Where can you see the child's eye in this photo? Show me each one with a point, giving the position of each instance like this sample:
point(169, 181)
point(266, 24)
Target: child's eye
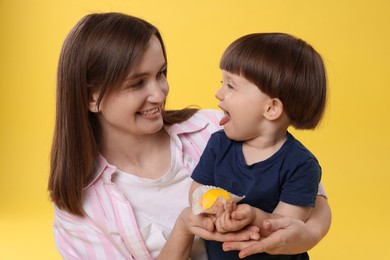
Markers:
point(228, 84)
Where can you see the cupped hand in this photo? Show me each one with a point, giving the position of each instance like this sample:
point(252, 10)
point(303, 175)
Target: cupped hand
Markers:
point(289, 236)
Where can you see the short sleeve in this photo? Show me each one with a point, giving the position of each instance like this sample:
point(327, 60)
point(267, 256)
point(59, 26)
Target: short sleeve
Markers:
point(301, 187)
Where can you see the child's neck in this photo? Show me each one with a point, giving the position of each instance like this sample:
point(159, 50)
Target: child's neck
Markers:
point(263, 147)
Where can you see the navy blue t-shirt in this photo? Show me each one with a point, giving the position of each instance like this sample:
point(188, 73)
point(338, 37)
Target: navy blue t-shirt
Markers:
point(290, 175)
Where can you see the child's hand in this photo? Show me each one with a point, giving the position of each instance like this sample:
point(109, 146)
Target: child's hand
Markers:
point(234, 217)
point(203, 226)
point(223, 221)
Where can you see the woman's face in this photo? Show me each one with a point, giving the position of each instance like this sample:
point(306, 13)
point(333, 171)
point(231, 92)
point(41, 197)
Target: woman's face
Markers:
point(244, 105)
point(136, 108)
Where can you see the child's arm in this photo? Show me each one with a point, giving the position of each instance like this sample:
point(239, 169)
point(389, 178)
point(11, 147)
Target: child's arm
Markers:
point(288, 210)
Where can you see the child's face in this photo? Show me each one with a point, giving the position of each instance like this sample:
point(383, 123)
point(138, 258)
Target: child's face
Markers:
point(244, 105)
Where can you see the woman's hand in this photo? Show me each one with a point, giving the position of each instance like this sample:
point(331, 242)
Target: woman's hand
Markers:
point(286, 239)
point(289, 235)
point(179, 242)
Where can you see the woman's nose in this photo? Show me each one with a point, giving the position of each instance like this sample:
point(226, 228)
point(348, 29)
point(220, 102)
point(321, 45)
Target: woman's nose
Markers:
point(158, 92)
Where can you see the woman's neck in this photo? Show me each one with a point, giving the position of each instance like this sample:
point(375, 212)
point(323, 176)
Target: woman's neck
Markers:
point(146, 156)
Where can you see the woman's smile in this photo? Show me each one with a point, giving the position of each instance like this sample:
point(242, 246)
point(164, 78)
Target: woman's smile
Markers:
point(151, 113)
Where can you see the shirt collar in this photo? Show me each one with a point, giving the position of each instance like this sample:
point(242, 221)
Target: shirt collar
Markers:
point(102, 168)
point(191, 125)
point(106, 170)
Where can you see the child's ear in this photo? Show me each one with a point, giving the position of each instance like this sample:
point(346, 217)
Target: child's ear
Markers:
point(93, 106)
point(274, 109)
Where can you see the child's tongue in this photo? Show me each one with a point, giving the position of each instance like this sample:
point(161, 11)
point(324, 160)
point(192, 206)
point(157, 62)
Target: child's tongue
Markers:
point(224, 120)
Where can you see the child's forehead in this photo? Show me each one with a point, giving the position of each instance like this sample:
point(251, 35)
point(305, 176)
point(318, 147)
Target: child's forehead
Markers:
point(238, 79)
point(229, 74)
point(233, 76)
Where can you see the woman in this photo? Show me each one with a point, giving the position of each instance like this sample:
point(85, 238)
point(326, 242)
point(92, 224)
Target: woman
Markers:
point(120, 163)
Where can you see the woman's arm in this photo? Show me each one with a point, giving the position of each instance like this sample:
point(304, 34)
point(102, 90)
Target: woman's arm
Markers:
point(179, 242)
point(81, 238)
point(290, 236)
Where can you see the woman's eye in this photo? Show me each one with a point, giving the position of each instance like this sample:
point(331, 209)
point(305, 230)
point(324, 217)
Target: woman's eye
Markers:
point(161, 74)
point(136, 85)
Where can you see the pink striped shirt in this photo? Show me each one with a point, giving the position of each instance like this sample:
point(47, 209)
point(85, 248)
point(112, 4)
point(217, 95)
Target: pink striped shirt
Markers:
point(109, 229)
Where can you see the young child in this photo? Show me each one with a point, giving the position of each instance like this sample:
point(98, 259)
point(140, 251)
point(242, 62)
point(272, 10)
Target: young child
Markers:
point(270, 81)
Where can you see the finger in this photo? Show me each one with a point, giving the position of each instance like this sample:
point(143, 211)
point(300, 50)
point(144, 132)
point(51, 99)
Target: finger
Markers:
point(253, 231)
point(234, 206)
point(253, 228)
point(205, 222)
point(242, 235)
point(254, 248)
point(230, 207)
point(241, 212)
point(220, 225)
point(267, 225)
point(209, 224)
point(220, 209)
point(246, 248)
point(275, 224)
point(268, 245)
point(236, 245)
point(225, 224)
point(212, 217)
point(238, 214)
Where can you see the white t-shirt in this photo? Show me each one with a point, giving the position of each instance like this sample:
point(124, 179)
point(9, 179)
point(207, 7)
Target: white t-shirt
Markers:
point(158, 203)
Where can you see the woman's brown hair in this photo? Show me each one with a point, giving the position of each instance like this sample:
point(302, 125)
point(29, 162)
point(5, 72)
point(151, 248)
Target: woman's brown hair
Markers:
point(284, 67)
point(97, 55)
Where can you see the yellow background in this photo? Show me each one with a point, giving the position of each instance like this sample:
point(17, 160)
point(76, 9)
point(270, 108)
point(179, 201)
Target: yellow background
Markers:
point(352, 143)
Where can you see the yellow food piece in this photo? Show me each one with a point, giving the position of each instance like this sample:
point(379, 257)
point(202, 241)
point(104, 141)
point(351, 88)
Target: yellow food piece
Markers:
point(210, 196)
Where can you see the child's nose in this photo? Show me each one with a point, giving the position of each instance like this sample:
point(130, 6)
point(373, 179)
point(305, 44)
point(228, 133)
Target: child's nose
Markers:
point(219, 94)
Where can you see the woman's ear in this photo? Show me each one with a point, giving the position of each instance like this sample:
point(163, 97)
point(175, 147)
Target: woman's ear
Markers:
point(93, 106)
point(274, 109)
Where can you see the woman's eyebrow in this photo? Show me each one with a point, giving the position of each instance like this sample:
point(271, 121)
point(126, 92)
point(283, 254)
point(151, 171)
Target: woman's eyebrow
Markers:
point(143, 74)
point(137, 75)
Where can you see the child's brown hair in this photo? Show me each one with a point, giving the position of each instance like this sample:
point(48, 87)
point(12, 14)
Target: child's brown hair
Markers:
point(284, 67)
